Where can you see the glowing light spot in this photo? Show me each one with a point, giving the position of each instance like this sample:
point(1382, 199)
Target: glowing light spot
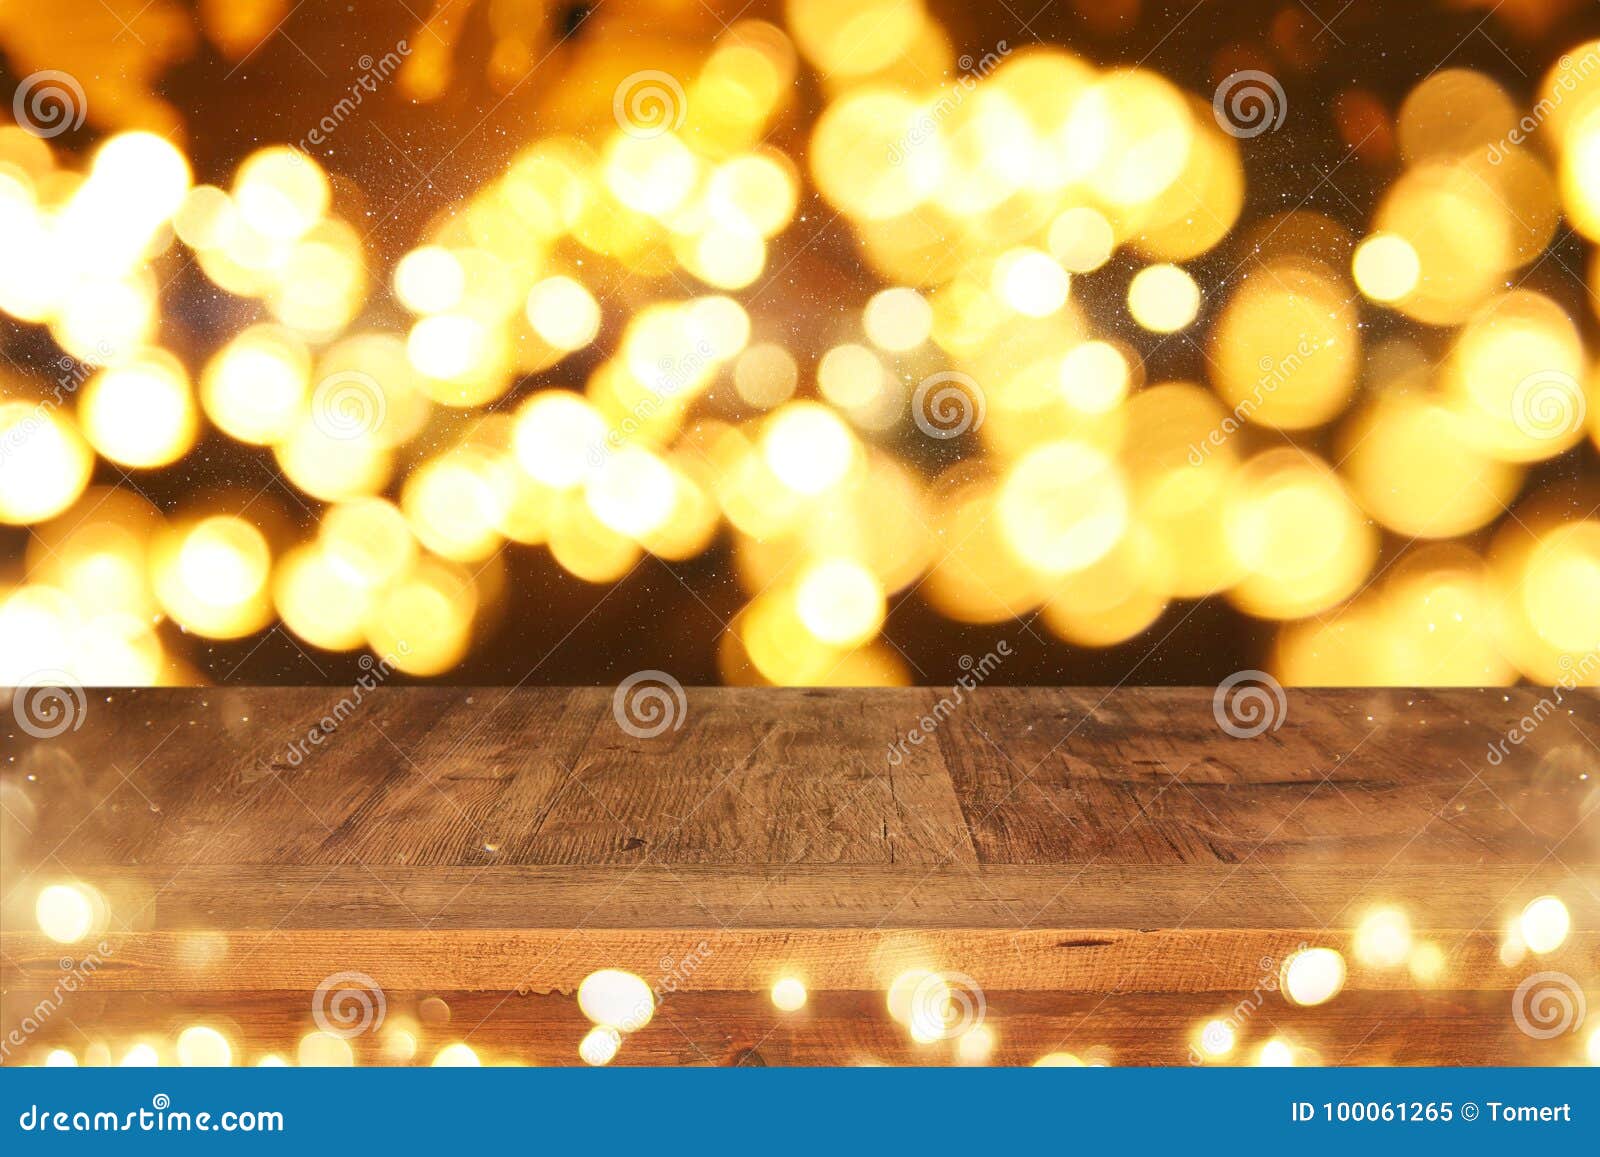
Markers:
point(599, 1045)
point(1163, 298)
point(1275, 1054)
point(1082, 240)
point(559, 439)
point(632, 492)
point(1031, 283)
point(563, 313)
point(281, 192)
point(446, 345)
point(850, 376)
point(1426, 963)
point(65, 913)
point(141, 413)
point(1313, 976)
point(44, 464)
point(1216, 1038)
point(976, 1045)
point(272, 1061)
point(1383, 938)
point(1385, 267)
point(898, 319)
point(618, 999)
point(60, 1059)
point(429, 279)
point(324, 1050)
point(840, 602)
point(1063, 506)
point(1058, 1061)
point(1094, 377)
point(765, 376)
point(202, 1047)
point(1544, 924)
point(141, 1056)
point(789, 994)
point(808, 447)
point(456, 1056)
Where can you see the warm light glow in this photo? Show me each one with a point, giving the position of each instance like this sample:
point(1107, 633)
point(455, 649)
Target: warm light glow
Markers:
point(616, 999)
point(1312, 976)
point(599, 1045)
point(789, 994)
point(456, 1056)
point(202, 1047)
point(1385, 267)
point(1163, 298)
point(1544, 924)
point(65, 913)
point(1383, 938)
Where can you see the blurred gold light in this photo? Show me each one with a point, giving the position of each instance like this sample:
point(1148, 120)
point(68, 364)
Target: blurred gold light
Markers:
point(1312, 976)
point(422, 621)
point(429, 279)
point(1303, 543)
point(324, 1050)
point(1544, 924)
point(212, 577)
point(1031, 283)
point(255, 387)
point(1385, 267)
point(1081, 239)
point(1062, 507)
point(558, 438)
point(807, 447)
point(1163, 298)
point(898, 319)
point(458, 1055)
point(65, 913)
point(840, 602)
point(789, 994)
point(140, 413)
point(280, 192)
point(44, 464)
point(616, 999)
point(200, 1046)
point(563, 313)
point(600, 1045)
point(1383, 938)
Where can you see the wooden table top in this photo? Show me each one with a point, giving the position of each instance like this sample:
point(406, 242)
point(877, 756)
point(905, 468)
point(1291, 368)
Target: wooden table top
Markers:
point(1074, 844)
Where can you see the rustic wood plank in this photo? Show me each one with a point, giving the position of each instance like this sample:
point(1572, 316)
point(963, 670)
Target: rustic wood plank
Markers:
point(1070, 846)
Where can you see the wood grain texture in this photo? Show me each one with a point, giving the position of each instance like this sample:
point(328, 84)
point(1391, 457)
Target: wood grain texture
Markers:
point(1068, 844)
